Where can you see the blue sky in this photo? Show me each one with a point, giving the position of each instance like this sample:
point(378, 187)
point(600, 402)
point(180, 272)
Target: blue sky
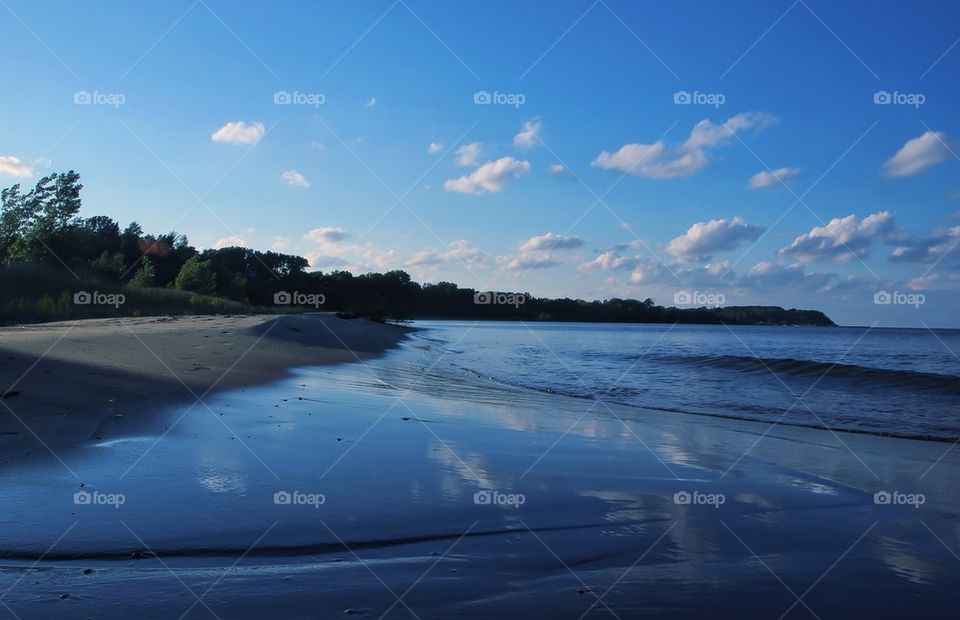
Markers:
point(783, 181)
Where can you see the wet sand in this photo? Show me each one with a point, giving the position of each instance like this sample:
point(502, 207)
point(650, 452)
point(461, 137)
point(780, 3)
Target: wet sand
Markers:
point(395, 451)
point(64, 381)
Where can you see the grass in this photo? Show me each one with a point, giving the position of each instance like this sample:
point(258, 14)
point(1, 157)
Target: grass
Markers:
point(33, 294)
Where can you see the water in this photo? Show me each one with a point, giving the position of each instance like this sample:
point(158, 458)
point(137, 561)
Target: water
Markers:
point(901, 382)
point(572, 418)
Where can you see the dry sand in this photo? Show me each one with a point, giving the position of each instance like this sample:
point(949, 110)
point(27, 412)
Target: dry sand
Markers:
point(60, 382)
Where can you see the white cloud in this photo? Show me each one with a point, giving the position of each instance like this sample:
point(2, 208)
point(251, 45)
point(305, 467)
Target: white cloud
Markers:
point(374, 257)
point(326, 234)
point(529, 135)
point(608, 261)
point(469, 154)
point(13, 167)
point(353, 258)
point(917, 155)
point(460, 251)
point(538, 252)
point(935, 281)
point(556, 170)
point(537, 260)
point(843, 238)
point(704, 238)
point(707, 134)
point(654, 271)
point(652, 160)
point(769, 178)
point(658, 161)
point(766, 276)
point(942, 247)
point(434, 148)
point(490, 177)
point(294, 178)
point(372, 101)
point(239, 132)
point(279, 243)
point(550, 241)
point(229, 242)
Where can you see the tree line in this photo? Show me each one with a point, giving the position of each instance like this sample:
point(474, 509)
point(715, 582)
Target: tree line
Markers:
point(46, 247)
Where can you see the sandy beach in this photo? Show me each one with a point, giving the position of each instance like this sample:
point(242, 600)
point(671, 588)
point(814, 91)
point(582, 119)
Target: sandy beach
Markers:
point(68, 382)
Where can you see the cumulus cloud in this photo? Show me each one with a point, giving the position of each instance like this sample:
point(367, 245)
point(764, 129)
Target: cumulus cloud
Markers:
point(229, 242)
point(704, 238)
point(469, 154)
point(490, 177)
point(707, 134)
point(279, 243)
point(917, 155)
point(538, 252)
point(550, 241)
point(460, 251)
point(326, 234)
point(372, 101)
point(843, 238)
point(529, 135)
point(354, 258)
point(294, 178)
point(434, 148)
point(655, 161)
point(940, 247)
point(763, 278)
point(935, 281)
point(650, 271)
point(768, 275)
point(239, 132)
point(13, 167)
point(524, 262)
point(660, 161)
point(608, 261)
point(769, 178)
point(556, 170)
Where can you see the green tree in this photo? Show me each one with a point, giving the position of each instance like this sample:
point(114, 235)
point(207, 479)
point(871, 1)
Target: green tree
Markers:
point(144, 275)
point(109, 263)
point(198, 276)
point(13, 220)
point(38, 225)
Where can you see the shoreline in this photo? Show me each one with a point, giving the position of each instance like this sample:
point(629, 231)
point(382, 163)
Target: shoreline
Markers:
point(71, 381)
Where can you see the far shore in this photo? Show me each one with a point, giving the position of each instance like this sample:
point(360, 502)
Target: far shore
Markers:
point(68, 382)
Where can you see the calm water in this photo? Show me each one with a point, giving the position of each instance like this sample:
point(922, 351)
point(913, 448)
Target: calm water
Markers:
point(400, 446)
point(903, 382)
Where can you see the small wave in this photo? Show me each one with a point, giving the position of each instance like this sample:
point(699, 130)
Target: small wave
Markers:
point(626, 397)
point(883, 377)
point(305, 549)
